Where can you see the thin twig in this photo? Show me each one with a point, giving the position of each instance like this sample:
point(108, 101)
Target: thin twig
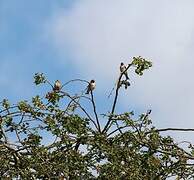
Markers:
point(122, 127)
point(50, 83)
point(81, 80)
point(66, 94)
point(111, 91)
point(96, 115)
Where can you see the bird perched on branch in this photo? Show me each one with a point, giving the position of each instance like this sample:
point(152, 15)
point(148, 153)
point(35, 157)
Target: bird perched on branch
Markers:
point(91, 86)
point(57, 86)
point(123, 69)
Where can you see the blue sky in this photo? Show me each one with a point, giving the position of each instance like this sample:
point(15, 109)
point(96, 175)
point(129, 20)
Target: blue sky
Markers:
point(87, 39)
point(23, 47)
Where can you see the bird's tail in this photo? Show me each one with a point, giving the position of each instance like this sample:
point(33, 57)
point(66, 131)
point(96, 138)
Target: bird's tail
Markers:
point(88, 90)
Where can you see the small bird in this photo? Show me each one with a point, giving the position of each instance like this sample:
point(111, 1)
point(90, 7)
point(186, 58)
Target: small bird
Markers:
point(123, 69)
point(57, 86)
point(91, 86)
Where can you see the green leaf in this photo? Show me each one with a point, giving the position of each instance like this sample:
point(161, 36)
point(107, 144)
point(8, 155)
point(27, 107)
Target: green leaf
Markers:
point(39, 78)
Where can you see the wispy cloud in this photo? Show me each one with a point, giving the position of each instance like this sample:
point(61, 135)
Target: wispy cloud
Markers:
point(23, 50)
point(99, 34)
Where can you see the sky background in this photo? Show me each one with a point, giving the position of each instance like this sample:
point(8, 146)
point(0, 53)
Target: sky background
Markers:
point(88, 39)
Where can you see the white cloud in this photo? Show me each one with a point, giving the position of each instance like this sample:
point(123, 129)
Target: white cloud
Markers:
point(100, 34)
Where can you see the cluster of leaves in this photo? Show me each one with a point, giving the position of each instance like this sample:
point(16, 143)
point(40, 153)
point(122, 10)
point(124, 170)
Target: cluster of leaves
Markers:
point(141, 64)
point(39, 78)
point(43, 140)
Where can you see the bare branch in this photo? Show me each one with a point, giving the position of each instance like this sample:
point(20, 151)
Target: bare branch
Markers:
point(172, 129)
point(96, 115)
point(74, 80)
point(115, 99)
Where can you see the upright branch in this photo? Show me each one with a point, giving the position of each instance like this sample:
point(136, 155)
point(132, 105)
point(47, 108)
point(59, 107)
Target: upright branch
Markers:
point(96, 115)
point(118, 85)
point(140, 64)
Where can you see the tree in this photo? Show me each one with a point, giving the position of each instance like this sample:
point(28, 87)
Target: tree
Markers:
point(79, 146)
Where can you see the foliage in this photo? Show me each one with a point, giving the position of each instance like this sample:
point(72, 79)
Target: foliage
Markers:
point(49, 138)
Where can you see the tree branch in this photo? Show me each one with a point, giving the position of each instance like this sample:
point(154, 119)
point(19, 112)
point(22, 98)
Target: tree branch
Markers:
point(74, 80)
point(66, 94)
point(172, 129)
point(115, 99)
point(96, 115)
